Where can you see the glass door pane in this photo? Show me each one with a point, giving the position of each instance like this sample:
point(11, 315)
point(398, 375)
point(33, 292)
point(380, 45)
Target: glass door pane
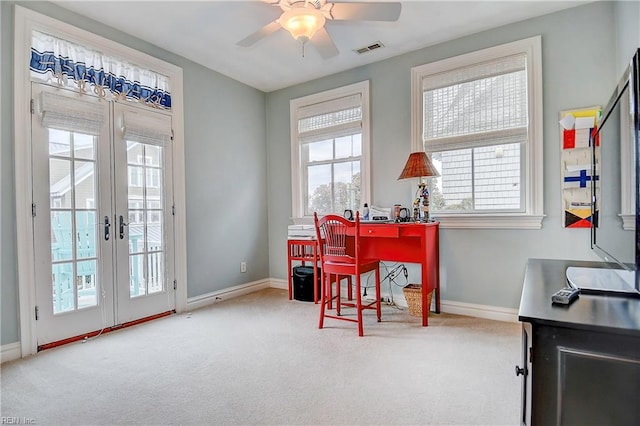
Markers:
point(143, 197)
point(73, 220)
point(72, 190)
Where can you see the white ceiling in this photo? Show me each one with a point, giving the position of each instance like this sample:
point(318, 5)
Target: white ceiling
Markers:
point(206, 32)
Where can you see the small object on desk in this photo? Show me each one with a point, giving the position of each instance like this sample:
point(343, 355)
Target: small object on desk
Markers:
point(404, 215)
point(565, 296)
point(365, 212)
point(396, 212)
point(301, 231)
point(379, 211)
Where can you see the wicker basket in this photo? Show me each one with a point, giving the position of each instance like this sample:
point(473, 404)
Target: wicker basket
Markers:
point(413, 294)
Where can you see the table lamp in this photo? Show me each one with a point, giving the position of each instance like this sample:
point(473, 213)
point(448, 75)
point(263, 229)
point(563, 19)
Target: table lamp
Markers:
point(419, 165)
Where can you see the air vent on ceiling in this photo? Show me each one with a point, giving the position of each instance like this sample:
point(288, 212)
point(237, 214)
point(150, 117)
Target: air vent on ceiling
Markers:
point(374, 46)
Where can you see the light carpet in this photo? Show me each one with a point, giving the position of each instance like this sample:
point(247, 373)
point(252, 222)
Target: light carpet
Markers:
point(260, 359)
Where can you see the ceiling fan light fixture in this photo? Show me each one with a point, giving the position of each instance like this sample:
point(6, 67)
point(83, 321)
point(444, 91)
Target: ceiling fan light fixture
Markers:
point(302, 23)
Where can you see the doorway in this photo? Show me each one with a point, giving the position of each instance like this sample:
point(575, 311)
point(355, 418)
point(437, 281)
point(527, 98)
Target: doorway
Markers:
point(103, 223)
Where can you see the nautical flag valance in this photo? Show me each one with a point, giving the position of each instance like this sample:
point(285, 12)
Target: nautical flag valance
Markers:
point(90, 70)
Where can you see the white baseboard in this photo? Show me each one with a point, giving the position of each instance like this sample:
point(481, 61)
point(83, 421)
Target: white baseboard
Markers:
point(479, 311)
point(227, 293)
point(496, 313)
point(10, 352)
point(280, 284)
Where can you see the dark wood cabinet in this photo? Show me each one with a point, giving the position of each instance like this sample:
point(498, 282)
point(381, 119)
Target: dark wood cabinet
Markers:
point(580, 363)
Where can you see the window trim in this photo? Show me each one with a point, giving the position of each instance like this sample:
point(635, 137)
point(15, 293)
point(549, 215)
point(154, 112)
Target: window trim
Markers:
point(297, 187)
point(533, 213)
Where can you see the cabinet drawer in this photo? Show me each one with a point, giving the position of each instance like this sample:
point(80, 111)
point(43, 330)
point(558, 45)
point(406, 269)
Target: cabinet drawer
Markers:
point(379, 231)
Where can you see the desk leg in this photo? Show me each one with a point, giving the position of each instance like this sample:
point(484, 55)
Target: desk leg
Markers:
point(289, 271)
point(438, 290)
point(437, 269)
point(425, 285)
point(315, 274)
point(425, 268)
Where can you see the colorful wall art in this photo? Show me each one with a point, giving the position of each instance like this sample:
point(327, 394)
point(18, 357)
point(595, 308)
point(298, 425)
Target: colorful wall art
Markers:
point(576, 130)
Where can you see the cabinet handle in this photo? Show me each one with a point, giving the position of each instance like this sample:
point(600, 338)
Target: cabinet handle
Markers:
point(520, 371)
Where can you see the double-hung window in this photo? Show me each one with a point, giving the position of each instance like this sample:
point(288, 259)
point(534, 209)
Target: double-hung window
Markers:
point(479, 118)
point(330, 151)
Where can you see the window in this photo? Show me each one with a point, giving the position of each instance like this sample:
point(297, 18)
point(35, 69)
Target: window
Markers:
point(479, 117)
point(330, 151)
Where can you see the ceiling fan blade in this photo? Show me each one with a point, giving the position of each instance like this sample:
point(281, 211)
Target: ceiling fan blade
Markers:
point(323, 42)
point(258, 35)
point(385, 11)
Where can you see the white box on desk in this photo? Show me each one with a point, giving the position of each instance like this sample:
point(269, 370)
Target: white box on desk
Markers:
point(301, 231)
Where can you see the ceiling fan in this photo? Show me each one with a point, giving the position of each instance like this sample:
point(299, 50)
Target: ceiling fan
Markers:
point(305, 20)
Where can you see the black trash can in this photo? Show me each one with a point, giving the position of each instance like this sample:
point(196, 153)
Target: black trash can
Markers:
point(303, 283)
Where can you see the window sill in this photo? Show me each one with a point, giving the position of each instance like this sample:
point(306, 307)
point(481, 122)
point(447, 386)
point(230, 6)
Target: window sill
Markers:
point(494, 221)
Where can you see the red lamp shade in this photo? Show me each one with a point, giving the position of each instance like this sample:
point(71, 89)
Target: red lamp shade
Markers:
point(418, 165)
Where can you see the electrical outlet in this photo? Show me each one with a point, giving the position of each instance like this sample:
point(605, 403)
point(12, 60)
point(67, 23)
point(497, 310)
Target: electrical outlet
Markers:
point(243, 266)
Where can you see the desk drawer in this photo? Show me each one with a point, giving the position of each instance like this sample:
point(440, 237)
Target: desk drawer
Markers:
point(379, 231)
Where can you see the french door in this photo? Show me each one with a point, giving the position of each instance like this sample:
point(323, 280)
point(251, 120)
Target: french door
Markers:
point(102, 216)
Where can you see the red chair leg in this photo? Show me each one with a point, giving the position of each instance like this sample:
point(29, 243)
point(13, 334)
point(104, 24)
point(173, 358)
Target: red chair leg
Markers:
point(329, 291)
point(359, 307)
point(323, 299)
point(338, 301)
point(349, 287)
point(378, 301)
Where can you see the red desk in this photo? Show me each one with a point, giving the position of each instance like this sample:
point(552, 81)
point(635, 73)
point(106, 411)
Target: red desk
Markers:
point(407, 242)
point(396, 242)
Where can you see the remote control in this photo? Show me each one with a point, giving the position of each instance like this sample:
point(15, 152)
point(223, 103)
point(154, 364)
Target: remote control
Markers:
point(565, 296)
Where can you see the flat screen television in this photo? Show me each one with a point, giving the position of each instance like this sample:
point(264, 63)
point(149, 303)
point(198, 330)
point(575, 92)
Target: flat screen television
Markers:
point(615, 236)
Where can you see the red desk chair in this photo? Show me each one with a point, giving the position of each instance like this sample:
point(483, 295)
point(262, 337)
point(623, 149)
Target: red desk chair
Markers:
point(340, 255)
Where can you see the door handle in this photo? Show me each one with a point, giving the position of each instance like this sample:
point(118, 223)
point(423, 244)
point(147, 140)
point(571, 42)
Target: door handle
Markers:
point(122, 224)
point(107, 227)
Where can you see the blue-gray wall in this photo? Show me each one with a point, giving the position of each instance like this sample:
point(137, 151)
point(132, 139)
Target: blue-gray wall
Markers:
point(627, 15)
point(483, 267)
point(238, 155)
point(226, 170)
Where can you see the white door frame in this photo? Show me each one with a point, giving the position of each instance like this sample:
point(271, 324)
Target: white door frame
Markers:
point(27, 20)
